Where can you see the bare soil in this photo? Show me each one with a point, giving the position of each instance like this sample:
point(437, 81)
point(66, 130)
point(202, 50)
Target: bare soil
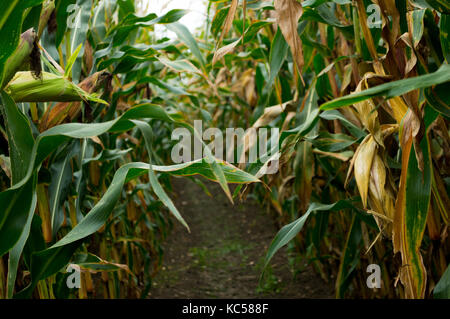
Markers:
point(223, 255)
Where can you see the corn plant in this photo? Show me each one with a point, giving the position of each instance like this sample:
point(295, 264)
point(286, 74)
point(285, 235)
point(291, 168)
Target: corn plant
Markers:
point(88, 104)
point(90, 95)
point(360, 92)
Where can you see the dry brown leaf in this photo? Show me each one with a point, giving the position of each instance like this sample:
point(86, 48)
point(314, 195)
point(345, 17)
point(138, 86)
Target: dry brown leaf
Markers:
point(381, 198)
point(68, 111)
point(98, 141)
point(270, 113)
point(226, 28)
point(347, 77)
point(338, 156)
point(398, 108)
point(221, 77)
point(411, 63)
point(220, 53)
point(229, 19)
point(389, 11)
point(367, 111)
point(284, 188)
point(288, 12)
point(5, 165)
point(287, 120)
point(52, 61)
point(400, 201)
point(245, 87)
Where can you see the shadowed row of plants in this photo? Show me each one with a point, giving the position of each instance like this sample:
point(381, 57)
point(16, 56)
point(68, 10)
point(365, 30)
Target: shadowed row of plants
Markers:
point(89, 100)
point(90, 95)
point(363, 110)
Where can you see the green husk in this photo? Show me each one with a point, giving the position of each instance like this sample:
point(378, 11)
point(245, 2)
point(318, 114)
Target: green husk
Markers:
point(21, 55)
point(24, 87)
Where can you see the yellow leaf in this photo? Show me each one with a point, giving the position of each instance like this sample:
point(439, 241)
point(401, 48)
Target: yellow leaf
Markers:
point(363, 165)
point(226, 28)
point(287, 14)
point(220, 53)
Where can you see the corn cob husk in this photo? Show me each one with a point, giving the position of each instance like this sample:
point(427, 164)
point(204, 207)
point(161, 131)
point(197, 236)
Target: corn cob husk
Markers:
point(68, 111)
point(21, 55)
point(50, 88)
point(47, 9)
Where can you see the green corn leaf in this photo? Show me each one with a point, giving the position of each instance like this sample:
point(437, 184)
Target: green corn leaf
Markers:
point(16, 208)
point(438, 97)
point(440, 5)
point(62, 14)
point(350, 257)
point(52, 259)
point(17, 205)
point(20, 138)
point(219, 20)
point(79, 24)
point(71, 61)
point(61, 174)
point(45, 263)
point(442, 288)
point(186, 37)
point(278, 53)
point(94, 263)
point(131, 22)
point(289, 231)
point(352, 128)
point(412, 210)
point(417, 25)
point(49, 140)
point(156, 186)
point(392, 89)
point(16, 252)
point(445, 36)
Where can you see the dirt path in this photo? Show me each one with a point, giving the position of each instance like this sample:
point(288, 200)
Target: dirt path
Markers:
point(223, 255)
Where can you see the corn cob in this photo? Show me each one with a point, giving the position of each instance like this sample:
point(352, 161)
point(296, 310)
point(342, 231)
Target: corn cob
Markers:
point(24, 87)
point(68, 111)
point(21, 55)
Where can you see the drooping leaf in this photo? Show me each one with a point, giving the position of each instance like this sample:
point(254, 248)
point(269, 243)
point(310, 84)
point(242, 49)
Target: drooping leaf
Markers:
point(289, 231)
point(16, 252)
point(20, 137)
point(410, 218)
point(226, 27)
point(444, 35)
point(288, 12)
point(278, 53)
point(349, 258)
point(442, 288)
point(186, 37)
point(392, 89)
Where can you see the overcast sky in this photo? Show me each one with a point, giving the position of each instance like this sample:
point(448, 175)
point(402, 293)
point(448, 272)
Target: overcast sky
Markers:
point(193, 20)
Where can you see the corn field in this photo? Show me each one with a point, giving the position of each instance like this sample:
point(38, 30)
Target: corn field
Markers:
point(91, 93)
